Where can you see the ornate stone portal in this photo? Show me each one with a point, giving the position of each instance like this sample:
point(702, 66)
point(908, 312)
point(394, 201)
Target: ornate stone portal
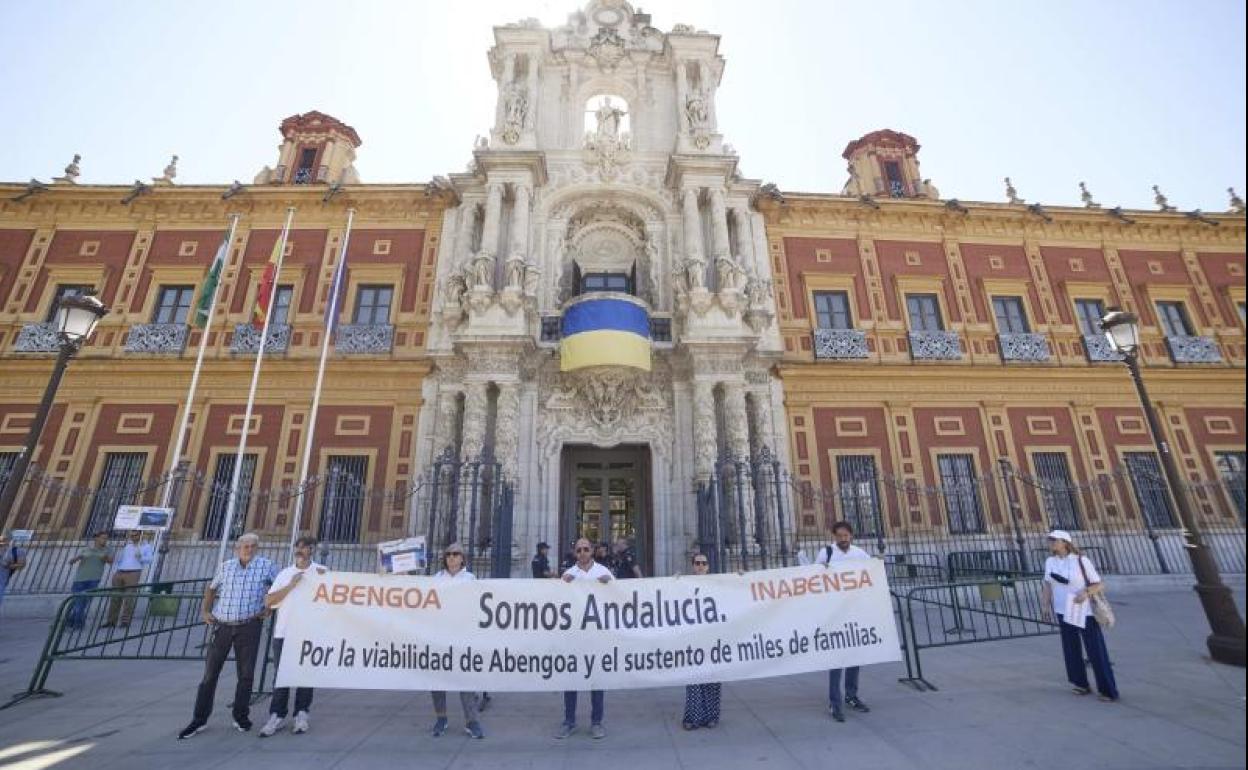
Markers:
point(604, 171)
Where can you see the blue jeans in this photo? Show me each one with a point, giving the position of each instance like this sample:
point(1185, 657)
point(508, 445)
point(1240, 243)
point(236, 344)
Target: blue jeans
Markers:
point(1093, 642)
point(597, 702)
point(834, 686)
point(78, 610)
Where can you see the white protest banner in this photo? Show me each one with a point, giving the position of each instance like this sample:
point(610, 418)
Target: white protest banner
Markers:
point(359, 631)
point(142, 517)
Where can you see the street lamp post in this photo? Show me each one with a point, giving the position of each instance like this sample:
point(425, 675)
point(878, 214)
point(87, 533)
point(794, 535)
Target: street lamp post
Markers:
point(1226, 642)
point(76, 318)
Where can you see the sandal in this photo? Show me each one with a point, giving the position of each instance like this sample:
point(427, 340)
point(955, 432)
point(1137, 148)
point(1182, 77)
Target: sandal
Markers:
point(689, 725)
point(1081, 690)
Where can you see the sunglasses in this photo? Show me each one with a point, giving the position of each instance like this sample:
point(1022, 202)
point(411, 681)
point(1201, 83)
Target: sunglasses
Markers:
point(701, 563)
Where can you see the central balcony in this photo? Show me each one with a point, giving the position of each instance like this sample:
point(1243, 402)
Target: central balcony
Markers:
point(247, 339)
point(364, 338)
point(1186, 349)
point(840, 344)
point(935, 346)
point(157, 338)
point(1024, 347)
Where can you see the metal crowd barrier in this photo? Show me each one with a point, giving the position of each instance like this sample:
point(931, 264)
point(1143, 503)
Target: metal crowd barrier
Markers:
point(165, 624)
point(967, 612)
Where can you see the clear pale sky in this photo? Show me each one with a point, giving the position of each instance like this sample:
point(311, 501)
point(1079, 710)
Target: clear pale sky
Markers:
point(1123, 94)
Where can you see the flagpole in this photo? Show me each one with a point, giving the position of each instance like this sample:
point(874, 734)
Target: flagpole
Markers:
point(251, 394)
point(180, 436)
point(331, 316)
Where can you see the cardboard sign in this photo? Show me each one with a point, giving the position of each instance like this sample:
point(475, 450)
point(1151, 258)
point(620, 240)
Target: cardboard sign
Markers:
point(142, 517)
point(402, 556)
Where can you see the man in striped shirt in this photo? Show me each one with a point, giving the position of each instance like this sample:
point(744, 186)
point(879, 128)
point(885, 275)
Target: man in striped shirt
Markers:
point(234, 609)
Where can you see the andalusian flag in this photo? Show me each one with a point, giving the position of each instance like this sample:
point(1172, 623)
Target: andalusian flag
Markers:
point(605, 331)
point(265, 295)
point(208, 293)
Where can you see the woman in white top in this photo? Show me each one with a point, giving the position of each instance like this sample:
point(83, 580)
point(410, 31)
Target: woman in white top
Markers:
point(1070, 580)
point(453, 570)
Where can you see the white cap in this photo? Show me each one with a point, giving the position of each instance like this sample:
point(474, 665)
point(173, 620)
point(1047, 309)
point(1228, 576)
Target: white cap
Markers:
point(1061, 534)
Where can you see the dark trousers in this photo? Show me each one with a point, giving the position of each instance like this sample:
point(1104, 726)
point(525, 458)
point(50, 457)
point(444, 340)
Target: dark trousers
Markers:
point(702, 704)
point(597, 704)
point(78, 611)
point(245, 640)
point(834, 686)
point(1090, 638)
point(281, 695)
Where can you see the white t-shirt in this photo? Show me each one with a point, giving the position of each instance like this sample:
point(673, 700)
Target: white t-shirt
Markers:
point(593, 573)
point(282, 580)
point(854, 552)
point(1068, 567)
point(459, 577)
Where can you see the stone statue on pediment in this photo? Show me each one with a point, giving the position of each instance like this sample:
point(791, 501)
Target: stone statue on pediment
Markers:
point(71, 172)
point(1237, 203)
point(1011, 194)
point(1163, 203)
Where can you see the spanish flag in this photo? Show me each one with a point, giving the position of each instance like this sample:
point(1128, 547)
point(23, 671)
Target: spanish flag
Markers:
point(605, 331)
point(265, 295)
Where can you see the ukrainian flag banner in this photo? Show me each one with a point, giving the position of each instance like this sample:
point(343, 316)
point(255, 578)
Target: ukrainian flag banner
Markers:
point(605, 331)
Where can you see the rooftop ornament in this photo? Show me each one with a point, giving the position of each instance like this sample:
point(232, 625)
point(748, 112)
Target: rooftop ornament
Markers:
point(1086, 197)
point(138, 189)
point(1116, 213)
point(1163, 203)
point(1011, 195)
point(235, 189)
point(71, 172)
point(1237, 203)
point(33, 187)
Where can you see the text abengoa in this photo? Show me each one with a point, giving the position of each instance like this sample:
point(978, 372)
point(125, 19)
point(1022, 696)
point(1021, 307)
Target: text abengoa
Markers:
point(360, 631)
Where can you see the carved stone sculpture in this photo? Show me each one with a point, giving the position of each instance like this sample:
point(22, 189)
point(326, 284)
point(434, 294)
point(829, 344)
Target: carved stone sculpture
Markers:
point(1237, 203)
point(1086, 197)
point(728, 274)
point(515, 273)
point(71, 172)
point(483, 271)
point(696, 111)
point(169, 173)
point(928, 190)
point(853, 187)
point(1011, 194)
point(1163, 204)
point(609, 117)
point(516, 107)
point(695, 273)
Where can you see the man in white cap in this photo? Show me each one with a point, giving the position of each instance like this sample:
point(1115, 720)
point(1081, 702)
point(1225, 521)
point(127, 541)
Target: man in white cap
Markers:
point(1070, 580)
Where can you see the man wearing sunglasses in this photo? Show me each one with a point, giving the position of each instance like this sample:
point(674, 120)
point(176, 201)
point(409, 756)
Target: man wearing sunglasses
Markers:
point(585, 568)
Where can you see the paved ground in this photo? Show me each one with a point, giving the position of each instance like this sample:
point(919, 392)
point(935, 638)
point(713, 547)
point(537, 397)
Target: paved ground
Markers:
point(1000, 705)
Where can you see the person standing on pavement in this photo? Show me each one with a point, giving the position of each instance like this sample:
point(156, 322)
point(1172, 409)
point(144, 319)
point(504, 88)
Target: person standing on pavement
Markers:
point(234, 609)
point(453, 570)
point(585, 568)
point(701, 700)
point(541, 562)
point(12, 560)
point(283, 584)
point(91, 562)
point(127, 570)
point(842, 549)
point(1070, 581)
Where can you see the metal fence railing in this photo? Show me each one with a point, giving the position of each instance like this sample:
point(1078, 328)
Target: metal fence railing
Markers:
point(164, 623)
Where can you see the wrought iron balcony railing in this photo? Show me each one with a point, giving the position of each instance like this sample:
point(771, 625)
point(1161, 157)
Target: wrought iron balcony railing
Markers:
point(37, 338)
point(247, 339)
point(935, 346)
point(157, 338)
point(1185, 349)
point(1099, 349)
point(364, 338)
point(834, 344)
point(1023, 347)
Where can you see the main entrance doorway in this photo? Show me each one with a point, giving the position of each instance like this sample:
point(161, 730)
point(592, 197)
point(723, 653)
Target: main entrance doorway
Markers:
point(606, 496)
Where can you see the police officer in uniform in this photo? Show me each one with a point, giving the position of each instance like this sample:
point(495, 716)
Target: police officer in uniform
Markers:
point(541, 562)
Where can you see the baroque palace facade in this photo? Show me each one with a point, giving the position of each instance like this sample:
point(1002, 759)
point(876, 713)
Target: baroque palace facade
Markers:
point(869, 341)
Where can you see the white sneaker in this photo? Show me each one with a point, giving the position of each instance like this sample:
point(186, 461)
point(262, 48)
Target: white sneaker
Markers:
point(301, 723)
point(272, 726)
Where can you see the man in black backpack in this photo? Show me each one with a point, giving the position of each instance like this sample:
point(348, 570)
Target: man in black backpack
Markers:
point(842, 549)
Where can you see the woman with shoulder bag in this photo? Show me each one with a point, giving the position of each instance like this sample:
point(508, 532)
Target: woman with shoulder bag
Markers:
point(1073, 591)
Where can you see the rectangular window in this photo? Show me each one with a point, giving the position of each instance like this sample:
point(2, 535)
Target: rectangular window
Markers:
point(960, 489)
point(219, 496)
point(832, 310)
point(119, 485)
point(1090, 313)
point(1057, 489)
point(1011, 317)
point(1173, 319)
point(172, 304)
point(64, 290)
point(342, 506)
point(281, 304)
point(924, 313)
point(892, 176)
point(372, 305)
point(307, 158)
point(1230, 468)
point(860, 499)
point(1150, 488)
point(606, 282)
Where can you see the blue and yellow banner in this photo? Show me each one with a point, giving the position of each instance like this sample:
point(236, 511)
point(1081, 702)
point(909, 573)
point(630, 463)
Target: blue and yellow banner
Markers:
point(605, 331)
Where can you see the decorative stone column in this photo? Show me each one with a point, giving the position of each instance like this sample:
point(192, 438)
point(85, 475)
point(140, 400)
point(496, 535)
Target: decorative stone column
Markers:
point(493, 214)
point(704, 438)
point(476, 405)
point(507, 428)
point(760, 421)
point(719, 224)
point(693, 225)
point(445, 421)
point(741, 227)
point(467, 223)
point(736, 421)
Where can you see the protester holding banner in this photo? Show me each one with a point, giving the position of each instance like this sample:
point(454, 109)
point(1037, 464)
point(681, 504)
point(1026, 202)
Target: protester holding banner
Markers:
point(585, 568)
point(842, 550)
point(453, 571)
point(234, 608)
point(127, 569)
point(91, 562)
point(701, 700)
point(1070, 580)
point(283, 584)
